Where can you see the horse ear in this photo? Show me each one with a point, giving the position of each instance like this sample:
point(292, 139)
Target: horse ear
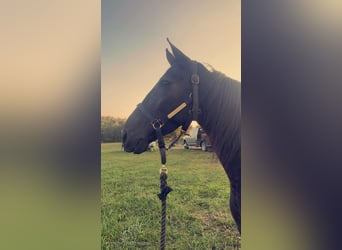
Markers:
point(178, 55)
point(170, 57)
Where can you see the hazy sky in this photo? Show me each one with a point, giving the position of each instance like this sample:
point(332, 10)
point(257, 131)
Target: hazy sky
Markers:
point(134, 36)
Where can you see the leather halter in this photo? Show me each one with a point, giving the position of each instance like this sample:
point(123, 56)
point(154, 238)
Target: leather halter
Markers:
point(158, 123)
point(195, 80)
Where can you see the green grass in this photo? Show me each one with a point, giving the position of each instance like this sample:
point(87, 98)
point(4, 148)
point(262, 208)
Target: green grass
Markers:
point(198, 215)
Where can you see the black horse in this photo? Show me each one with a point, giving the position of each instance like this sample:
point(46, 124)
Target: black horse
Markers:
point(189, 91)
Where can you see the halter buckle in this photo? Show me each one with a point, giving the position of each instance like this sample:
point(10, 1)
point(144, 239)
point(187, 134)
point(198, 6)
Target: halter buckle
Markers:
point(157, 124)
point(195, 78)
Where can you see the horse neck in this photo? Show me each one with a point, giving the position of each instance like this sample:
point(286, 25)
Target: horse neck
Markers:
point(220, 104)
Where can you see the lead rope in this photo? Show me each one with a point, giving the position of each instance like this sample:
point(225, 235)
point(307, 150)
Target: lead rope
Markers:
point(157, 124)
point(176, 140)
point(164, 188)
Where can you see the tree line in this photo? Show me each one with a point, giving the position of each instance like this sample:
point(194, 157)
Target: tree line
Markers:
point(111, 129)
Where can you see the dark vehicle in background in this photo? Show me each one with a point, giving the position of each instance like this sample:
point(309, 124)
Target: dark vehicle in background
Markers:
point(197, 138)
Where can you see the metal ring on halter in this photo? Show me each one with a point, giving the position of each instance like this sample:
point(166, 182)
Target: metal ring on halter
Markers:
point(157, 124)
point(195, 78)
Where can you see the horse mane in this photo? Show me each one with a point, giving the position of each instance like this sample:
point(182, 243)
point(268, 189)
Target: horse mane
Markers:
point(221, 112)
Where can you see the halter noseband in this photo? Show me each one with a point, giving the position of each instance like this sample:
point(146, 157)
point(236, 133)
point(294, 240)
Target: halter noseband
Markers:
point(158, 123)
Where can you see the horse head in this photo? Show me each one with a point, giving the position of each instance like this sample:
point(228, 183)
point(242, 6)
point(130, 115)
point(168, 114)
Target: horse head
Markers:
point(167, 105)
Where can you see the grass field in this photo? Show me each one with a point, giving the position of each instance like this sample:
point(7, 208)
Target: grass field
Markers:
point(198, 215)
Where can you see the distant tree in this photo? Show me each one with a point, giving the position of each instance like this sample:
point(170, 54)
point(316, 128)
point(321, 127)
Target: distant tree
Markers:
point(111, 129)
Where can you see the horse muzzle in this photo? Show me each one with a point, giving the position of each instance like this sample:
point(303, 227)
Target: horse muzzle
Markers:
point(134, 144)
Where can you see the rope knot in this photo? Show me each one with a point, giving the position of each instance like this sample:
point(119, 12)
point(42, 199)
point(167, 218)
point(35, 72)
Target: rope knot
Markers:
point(164, 192)
point(164, 188)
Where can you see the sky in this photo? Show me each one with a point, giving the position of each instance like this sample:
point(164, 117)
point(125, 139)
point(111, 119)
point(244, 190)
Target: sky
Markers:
point(133, 42)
